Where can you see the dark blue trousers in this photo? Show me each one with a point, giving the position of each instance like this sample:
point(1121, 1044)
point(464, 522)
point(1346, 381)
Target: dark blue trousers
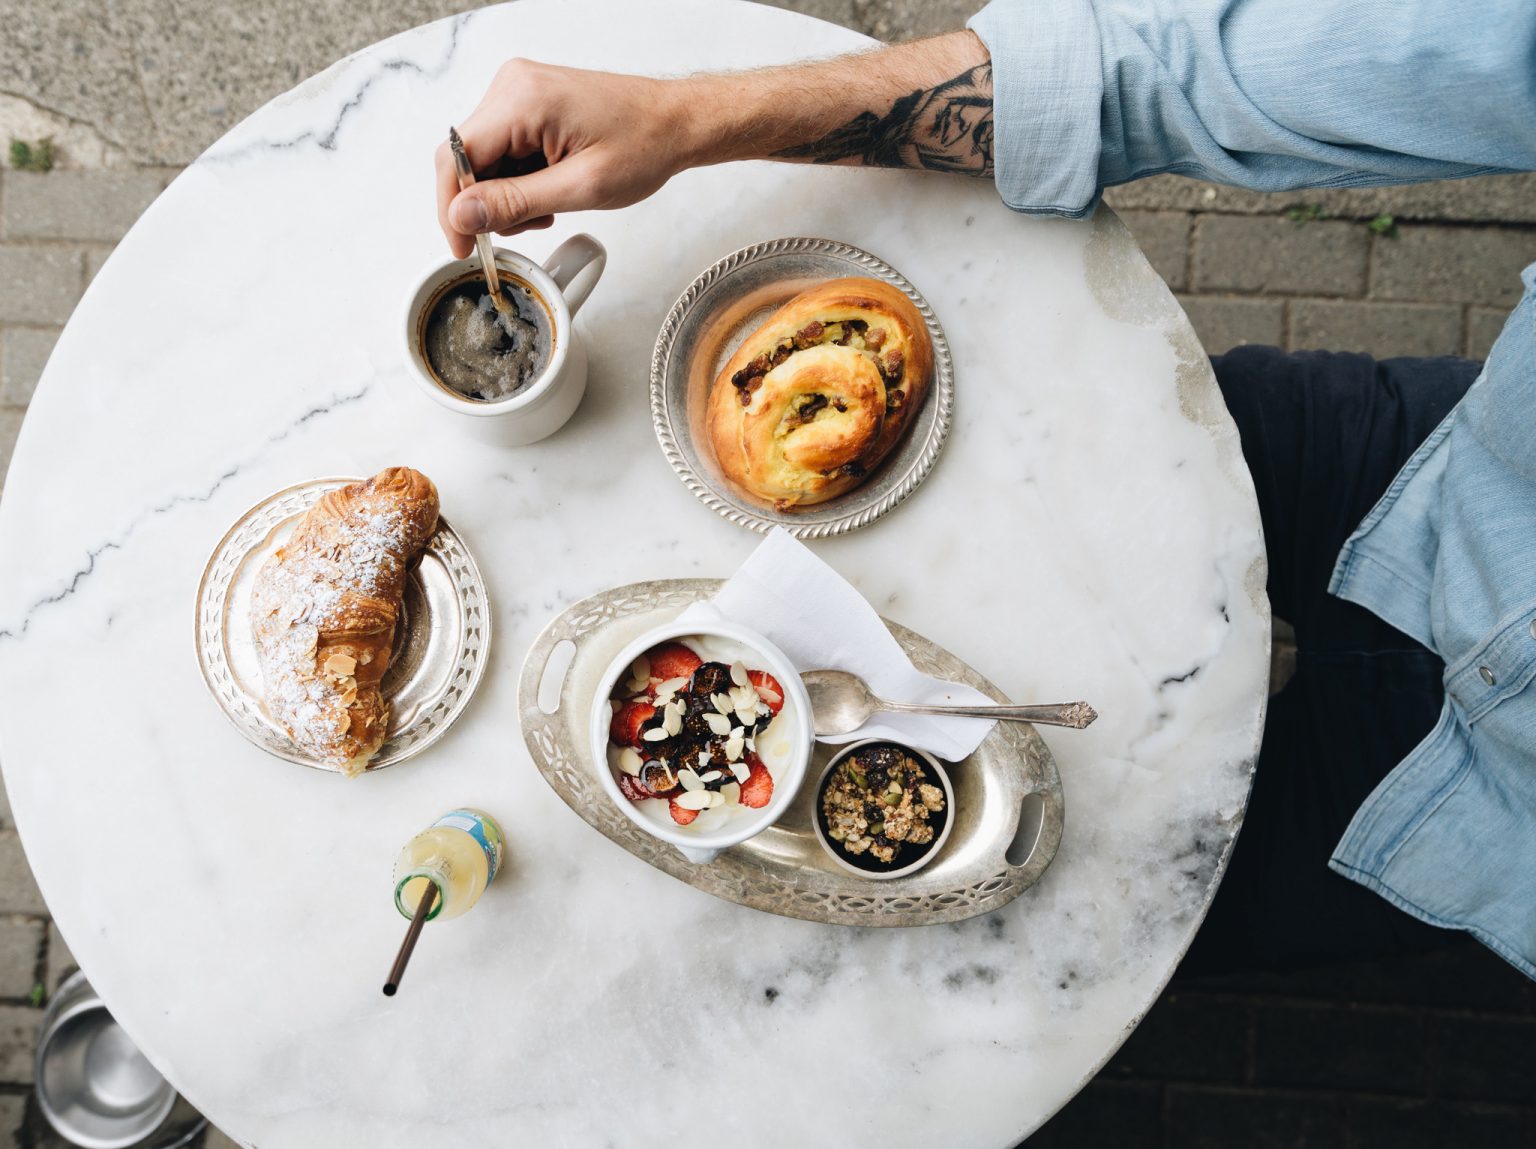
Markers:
point(1324, 434)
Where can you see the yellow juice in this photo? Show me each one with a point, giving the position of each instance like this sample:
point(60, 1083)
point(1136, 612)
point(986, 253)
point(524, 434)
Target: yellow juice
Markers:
point(458, 854)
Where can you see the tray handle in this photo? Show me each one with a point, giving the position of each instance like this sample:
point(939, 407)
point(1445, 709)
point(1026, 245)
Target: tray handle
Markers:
point(1036, 835)
point(1026, 836)
point(552, 675)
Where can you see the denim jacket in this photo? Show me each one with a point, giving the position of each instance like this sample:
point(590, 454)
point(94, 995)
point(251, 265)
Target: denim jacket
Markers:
point(1270, 95)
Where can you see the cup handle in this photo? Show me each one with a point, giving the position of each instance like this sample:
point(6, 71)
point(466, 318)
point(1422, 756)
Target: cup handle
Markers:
point(578, 254)
point(701, 857)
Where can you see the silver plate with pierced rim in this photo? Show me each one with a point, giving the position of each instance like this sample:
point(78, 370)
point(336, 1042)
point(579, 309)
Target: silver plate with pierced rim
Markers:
point(440, 647)
point(1008, 810)
point(703, 330)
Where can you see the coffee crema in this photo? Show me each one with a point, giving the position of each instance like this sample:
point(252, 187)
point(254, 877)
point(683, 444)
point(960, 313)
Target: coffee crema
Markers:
point(481, 353)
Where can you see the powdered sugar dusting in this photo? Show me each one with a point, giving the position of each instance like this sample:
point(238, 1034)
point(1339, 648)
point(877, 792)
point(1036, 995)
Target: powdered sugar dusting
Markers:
point(324, 609)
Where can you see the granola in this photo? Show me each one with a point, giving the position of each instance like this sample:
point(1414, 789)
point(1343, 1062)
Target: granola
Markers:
point(881, 804)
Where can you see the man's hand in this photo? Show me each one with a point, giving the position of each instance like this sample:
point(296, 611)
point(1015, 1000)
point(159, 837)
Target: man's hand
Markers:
point(598, 140)
point(609, 141)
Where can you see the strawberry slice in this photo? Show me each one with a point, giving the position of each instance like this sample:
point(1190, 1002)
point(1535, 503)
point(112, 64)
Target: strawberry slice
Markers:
point(757, 790)
point(632, 789)
point(681, 816)
point(672, 660)
point(768, 689)
point(627, 721)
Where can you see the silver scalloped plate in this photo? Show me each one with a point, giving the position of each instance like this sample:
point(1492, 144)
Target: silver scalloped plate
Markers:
point(440, 644)
point(702, 331)
point(1008, 809)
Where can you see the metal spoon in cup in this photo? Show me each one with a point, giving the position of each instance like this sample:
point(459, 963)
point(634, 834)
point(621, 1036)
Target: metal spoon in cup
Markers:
point(842, 702)
point(466, 177)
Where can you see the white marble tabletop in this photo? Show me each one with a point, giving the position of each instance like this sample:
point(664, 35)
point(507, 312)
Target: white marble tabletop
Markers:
point(1089, 532)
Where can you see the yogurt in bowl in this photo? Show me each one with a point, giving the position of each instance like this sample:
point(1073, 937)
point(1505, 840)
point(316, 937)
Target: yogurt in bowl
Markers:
point(701, 734)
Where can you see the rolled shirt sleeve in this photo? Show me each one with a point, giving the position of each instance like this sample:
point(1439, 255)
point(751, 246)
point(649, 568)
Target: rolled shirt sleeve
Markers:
point(1262, 94)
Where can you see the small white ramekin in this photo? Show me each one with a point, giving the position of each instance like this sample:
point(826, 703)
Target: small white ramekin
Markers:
point(933, 848)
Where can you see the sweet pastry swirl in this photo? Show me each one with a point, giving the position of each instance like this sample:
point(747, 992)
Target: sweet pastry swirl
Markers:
point(821, 392)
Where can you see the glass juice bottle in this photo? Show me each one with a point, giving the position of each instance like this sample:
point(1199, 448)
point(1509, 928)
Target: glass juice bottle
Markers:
point(459, 854)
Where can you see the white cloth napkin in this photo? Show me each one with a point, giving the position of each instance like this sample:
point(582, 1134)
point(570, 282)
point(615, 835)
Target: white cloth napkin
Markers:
point(811, 613)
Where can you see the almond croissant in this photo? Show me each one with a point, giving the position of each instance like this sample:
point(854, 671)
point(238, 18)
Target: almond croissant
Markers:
point(324, 610)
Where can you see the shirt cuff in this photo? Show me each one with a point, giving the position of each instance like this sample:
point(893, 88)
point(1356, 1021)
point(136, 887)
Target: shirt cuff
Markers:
point(1048, 88)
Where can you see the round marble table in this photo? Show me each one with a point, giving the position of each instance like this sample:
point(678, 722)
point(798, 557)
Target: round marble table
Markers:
point(1089, 532)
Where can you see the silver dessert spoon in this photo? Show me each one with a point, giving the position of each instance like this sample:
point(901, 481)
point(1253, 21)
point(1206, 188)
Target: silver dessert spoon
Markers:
point(841, 702)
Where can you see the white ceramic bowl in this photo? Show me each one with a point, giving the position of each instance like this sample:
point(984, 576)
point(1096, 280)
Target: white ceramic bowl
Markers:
point(788, 772)
point(933, 848)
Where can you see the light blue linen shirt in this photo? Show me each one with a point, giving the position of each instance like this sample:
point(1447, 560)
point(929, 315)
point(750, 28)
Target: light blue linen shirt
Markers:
point(1276, 94)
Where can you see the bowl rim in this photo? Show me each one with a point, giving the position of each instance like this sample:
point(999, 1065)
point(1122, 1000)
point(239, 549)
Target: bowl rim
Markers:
point(934, 847)
point(786, 784)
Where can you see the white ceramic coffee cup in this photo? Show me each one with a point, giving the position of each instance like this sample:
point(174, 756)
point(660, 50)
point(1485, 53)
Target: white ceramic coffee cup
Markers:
point(541, 408)
point(700, 847)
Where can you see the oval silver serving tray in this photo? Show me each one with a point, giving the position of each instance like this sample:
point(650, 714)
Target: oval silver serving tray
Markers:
point(440, 643)
point(702, 331)
point(1008, 808)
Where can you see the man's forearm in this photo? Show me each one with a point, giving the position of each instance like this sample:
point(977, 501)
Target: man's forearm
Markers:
point(926, 104)
point(611, 140)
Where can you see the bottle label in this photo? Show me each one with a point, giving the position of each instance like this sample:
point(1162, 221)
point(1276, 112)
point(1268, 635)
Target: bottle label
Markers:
point(483, 830)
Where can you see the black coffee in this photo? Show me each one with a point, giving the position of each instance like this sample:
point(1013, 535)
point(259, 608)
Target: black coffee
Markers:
point(483, 353)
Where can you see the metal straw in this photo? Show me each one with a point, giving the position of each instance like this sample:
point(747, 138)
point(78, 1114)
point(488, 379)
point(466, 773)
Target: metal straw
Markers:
point(397, 971)
point(466, 176)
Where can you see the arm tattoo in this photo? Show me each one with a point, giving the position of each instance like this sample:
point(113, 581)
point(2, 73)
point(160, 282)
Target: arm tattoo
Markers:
point(944, 129)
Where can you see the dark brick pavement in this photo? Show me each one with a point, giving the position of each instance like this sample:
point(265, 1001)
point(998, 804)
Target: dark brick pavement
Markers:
point(1436, 1051)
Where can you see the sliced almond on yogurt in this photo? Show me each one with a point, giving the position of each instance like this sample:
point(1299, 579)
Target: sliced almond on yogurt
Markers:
point(655, 735)
point(731, 792)
point(690, 780)
point(735, 744)
point(630, 760)
point(739, 674)
point(671, 686)
point(695, 799)
point(710, 776)
point(722, 703)
point(712, 819)
point(718, 724)
point(641, 669)
point(742, 772)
